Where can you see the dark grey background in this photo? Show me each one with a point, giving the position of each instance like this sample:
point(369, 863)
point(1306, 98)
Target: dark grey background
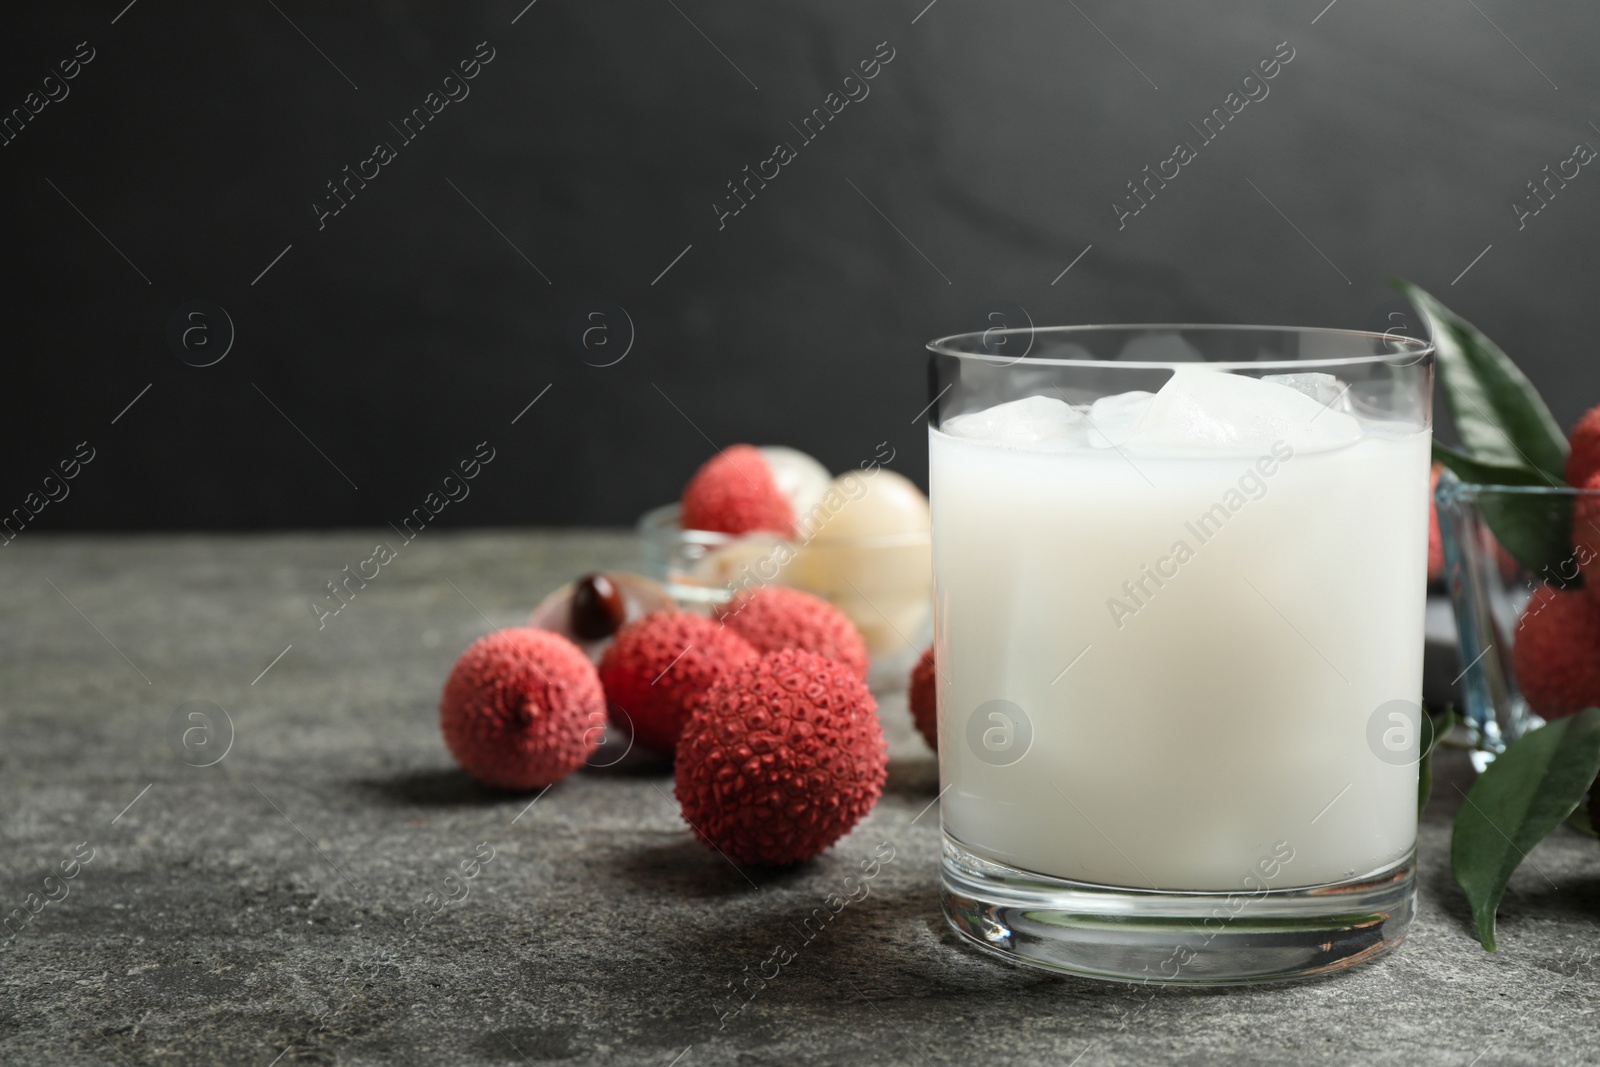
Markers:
point(596, 142)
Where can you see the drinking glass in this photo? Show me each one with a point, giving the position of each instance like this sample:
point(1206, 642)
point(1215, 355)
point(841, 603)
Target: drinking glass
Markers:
point(1180, 579)
point(1492, 593)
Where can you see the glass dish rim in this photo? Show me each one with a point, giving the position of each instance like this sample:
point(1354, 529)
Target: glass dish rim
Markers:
point(662, 519)
point(1423, 349)
point(1457, 485)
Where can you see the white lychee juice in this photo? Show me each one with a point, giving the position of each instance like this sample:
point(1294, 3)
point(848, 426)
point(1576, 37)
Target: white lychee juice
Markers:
point(1165, 624)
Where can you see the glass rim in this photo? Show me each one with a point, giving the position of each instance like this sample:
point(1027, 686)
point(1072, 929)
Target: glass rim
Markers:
point(1415, 350)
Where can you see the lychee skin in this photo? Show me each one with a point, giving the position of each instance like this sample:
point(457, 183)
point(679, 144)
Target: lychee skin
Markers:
point(1583, 461)
point(1435, 537)
point(776, 616)
point(522, 709)
point(656, 667)
point(1586, 536)
point(1506, 563)
point(923, 696)
point(1556, 653)
point(781, 759)
point(735, 492)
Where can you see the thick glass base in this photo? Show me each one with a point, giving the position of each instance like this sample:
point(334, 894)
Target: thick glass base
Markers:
point(1178, 937)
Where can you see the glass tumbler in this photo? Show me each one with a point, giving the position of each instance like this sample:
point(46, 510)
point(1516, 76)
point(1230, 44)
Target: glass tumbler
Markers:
point(1493, 594)
point(1180, 577)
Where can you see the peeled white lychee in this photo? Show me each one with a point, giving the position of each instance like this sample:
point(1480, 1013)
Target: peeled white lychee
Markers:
point(800, 478)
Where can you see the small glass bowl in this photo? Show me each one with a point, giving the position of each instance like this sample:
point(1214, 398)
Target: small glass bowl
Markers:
point(884, 584)
point(1489, 590)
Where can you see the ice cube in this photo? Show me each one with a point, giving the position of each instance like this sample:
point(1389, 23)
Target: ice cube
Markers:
point(1112, 418)
point(1325, 389)
point(1203, 408)
point(1035, 421)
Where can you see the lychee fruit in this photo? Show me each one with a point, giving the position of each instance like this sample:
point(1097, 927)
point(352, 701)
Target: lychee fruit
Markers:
point(800, 478)
point(735, 492)
point(923, 696)
point(522, 709)
point(656, 667)
point(1556, 652)
point(1583, 461)
point(781, 759)
point(1435, 538)
point(776, 616)
point(1586, 536)
point(1506, 563)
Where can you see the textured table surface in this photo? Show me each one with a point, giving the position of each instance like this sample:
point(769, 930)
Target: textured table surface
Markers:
point(255, 911)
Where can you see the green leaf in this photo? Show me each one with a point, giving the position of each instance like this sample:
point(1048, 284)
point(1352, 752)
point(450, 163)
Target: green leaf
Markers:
point(1478, 472)
point(1536, 528)
point(1525, 793)
point(1432, 732)
point(1579, 821)
point(1497, 411)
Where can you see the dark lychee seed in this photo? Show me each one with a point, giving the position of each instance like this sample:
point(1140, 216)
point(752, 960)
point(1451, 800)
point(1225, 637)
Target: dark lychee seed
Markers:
point(598, 609)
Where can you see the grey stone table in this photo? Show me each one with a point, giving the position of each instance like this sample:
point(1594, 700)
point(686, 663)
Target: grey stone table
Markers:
point(275, 906)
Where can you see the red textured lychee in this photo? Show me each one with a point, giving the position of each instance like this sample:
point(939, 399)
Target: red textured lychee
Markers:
point(1556, 652)
point(774, 617)
point(735, 492)
point(1506, 563)
point(923, 696)
point(1586, 536)
point(522, 709)
point(1583, 462)
point(781, 759)
point(658, 666)
point(1435, 538)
